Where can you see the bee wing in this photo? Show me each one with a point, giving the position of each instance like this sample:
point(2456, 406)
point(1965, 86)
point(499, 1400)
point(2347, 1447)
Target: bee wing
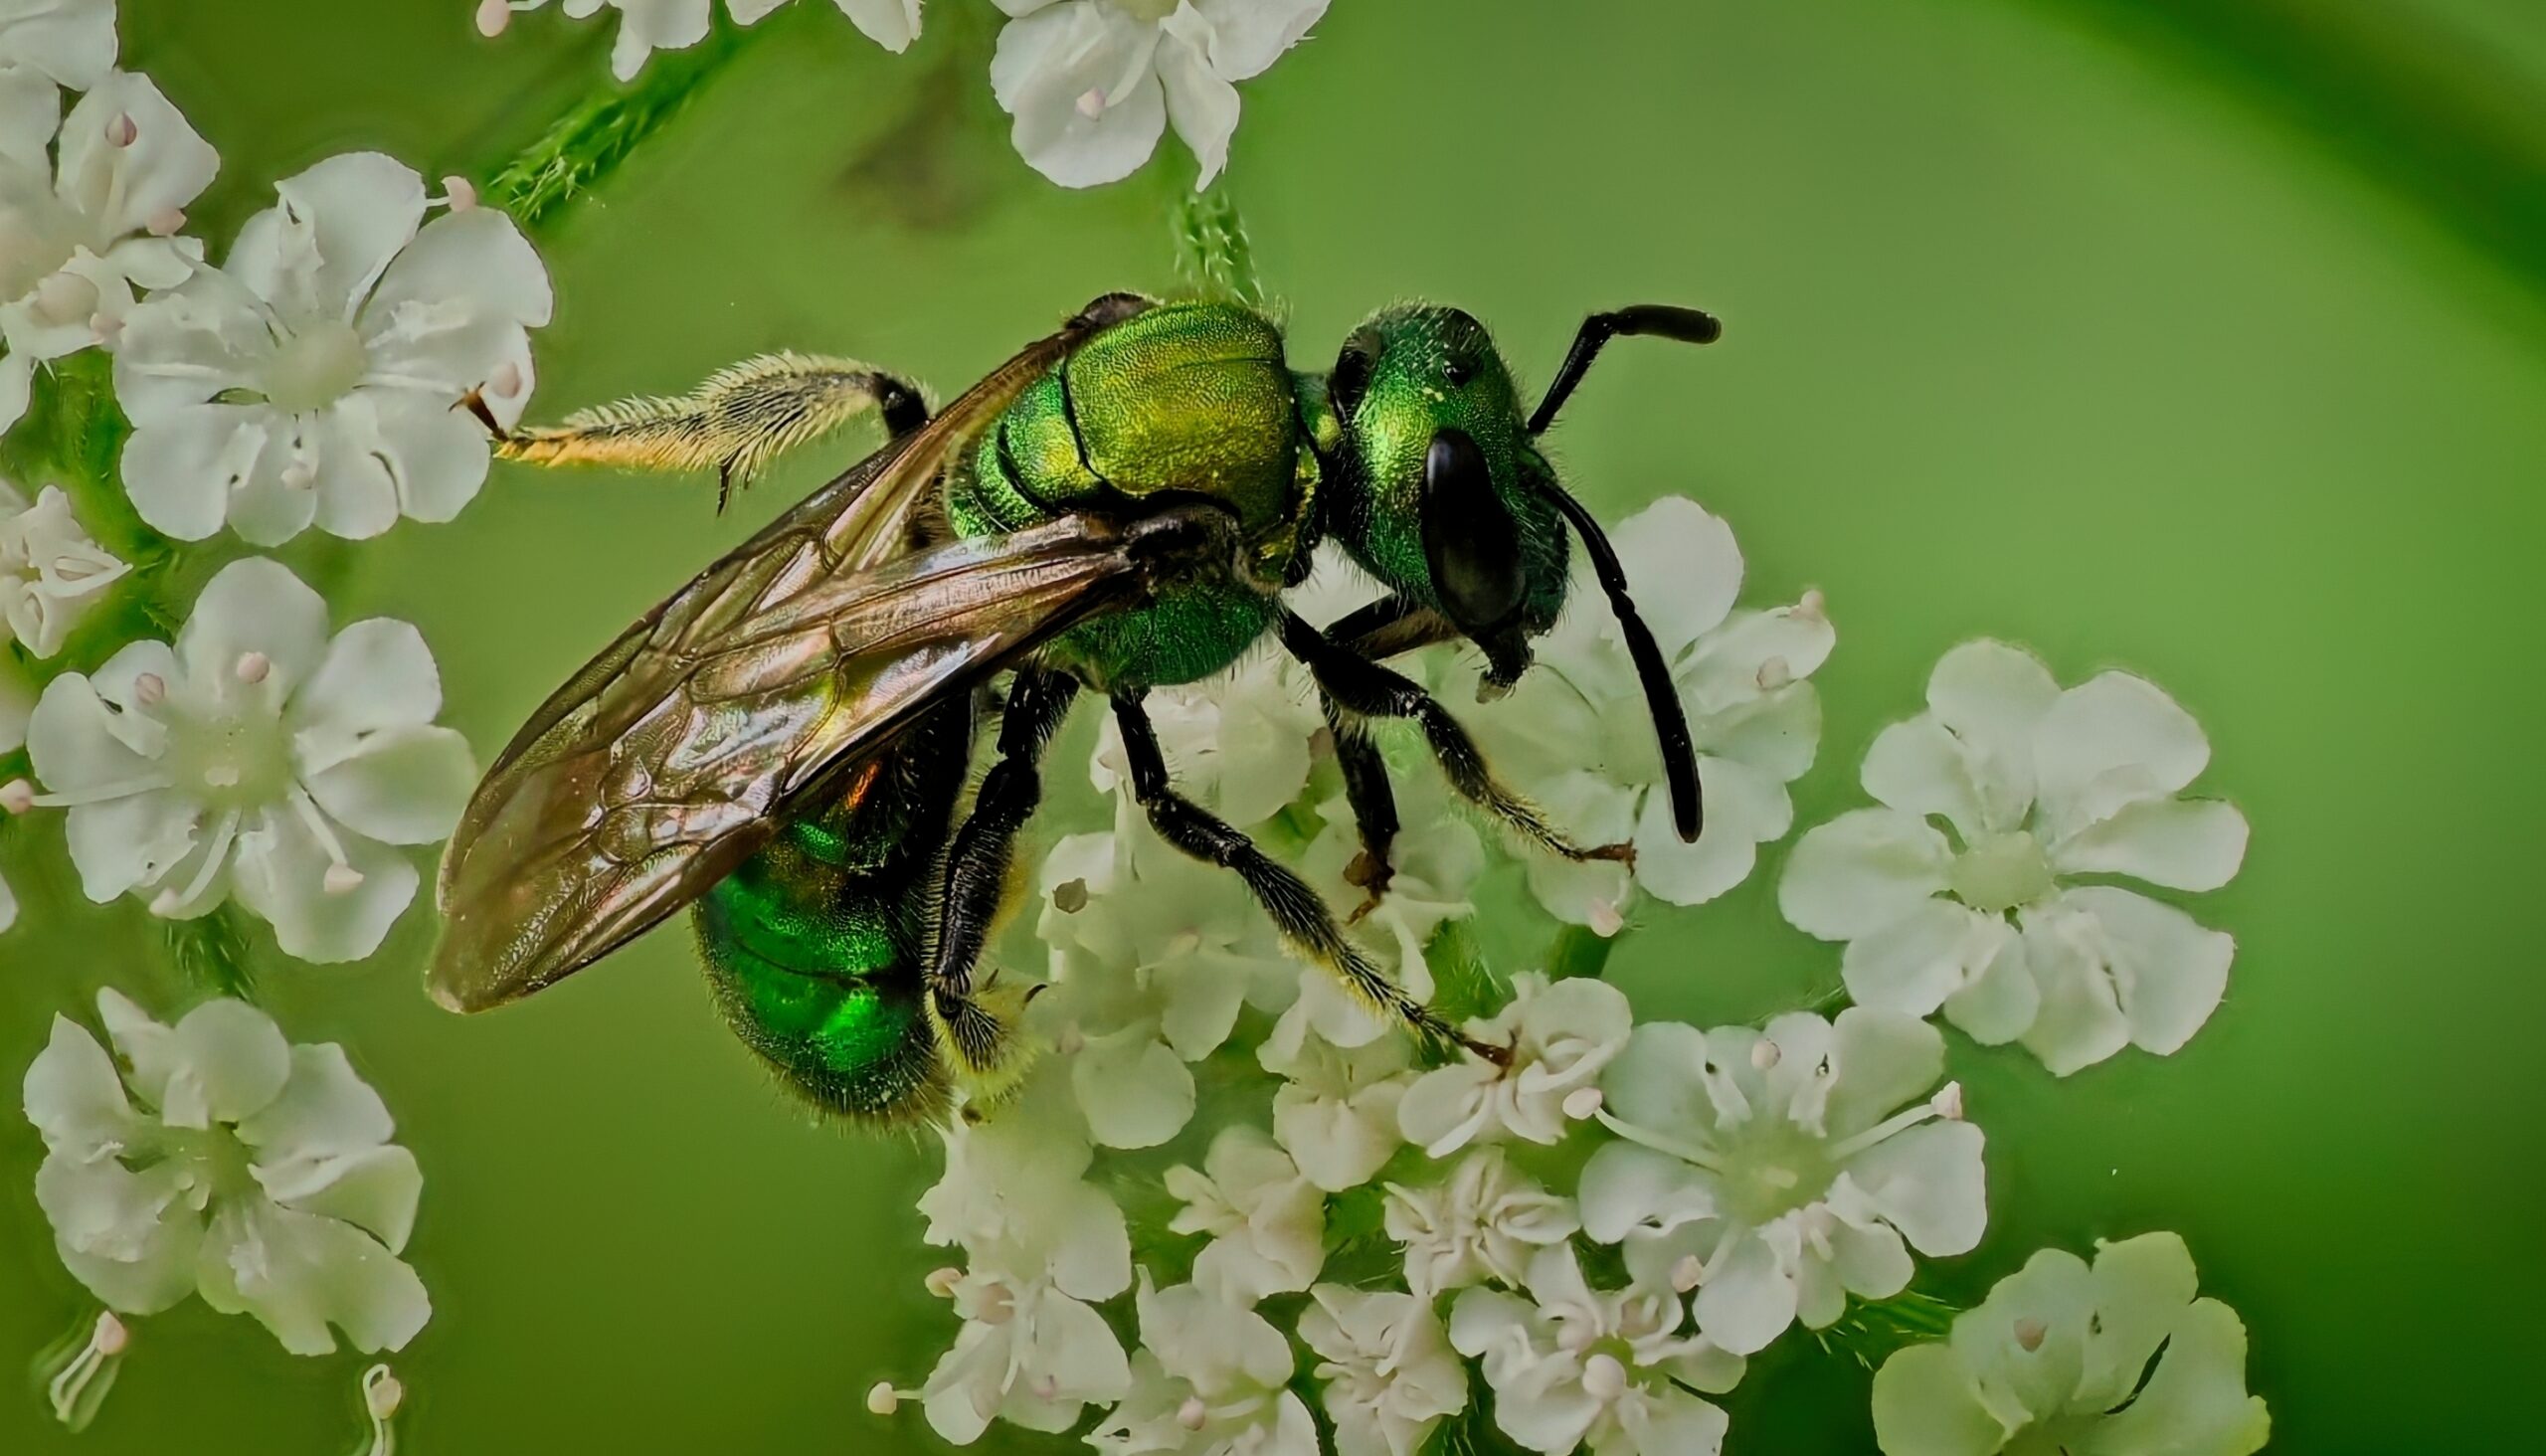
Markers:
point(651, 788)
point(654, 770)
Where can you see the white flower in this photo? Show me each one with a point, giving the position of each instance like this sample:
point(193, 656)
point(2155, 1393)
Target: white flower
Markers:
point(1763, 1172)
point(647, 26)
point(1237, 743)
point(317, 376)
point(1266, 1220)
point(17, 701)
point(1013, 1193)
point(1597, 1367)
point(254, 1171)
point(1389, 1373)
point(1209, 1380)
point(1577, 736)
point(1093, 84)
point(51, 570)
point(1485, 1222)
point(1153, 954)
point(1337, 1108)
point(69, 261)
point(2037, 784)
point(1030, 1354)
point(258, 758)
point(1559, 1035)
point(68, 43)
point(2059, 1357)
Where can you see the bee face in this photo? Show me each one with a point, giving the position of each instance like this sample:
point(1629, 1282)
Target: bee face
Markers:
point(1439, 496)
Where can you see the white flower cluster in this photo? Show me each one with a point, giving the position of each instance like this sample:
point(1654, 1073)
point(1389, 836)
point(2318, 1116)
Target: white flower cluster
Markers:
point(1325, 1243)
point(1091, 84)
point(332, 372)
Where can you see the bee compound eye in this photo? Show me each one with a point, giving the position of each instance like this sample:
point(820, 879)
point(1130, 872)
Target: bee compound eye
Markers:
point(1353, 369)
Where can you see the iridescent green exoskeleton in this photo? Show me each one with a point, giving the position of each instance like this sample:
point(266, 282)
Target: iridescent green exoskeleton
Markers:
point(784, 744)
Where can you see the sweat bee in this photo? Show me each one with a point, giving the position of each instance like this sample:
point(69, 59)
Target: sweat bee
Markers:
point(784, 745)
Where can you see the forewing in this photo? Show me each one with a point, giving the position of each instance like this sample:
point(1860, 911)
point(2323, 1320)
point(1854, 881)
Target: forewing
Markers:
point(547, 870)
point(665, 780)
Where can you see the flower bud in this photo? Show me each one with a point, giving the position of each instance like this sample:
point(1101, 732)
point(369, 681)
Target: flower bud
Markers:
point(1603, 1379)
point(884, 1400)
point(1582, 1102)
point(1192, 1414)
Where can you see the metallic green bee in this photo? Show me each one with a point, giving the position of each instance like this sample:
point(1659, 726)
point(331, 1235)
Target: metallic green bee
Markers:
point(784, 745)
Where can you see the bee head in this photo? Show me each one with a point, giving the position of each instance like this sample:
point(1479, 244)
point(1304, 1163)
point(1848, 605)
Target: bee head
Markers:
point(1447, 500)
point(1440, 501)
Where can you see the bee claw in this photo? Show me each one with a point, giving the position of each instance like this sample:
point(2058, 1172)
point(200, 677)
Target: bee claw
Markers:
point(1621, 853)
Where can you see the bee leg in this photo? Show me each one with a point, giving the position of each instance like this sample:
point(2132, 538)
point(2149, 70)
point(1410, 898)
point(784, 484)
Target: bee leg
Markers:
point(735, 422)
point(1374, 802)
point(1301, 917)
point(1357, 685)
point(977, 861)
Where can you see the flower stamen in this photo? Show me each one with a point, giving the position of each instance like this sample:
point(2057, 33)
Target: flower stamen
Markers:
point(76, 1390)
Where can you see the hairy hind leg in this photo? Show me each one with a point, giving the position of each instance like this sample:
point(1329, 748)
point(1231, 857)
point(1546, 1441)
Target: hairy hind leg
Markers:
point(735, 422)
point(975, 876)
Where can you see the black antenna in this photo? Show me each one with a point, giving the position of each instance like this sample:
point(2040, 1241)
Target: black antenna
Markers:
point(1670, 721)
point(1688, 325)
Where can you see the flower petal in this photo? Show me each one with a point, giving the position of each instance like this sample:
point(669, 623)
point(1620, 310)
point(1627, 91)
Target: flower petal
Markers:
point(298, 1273)
point(1626, 1188)
point(226, 1061)
point(2196, 1401)
point(2168, 972)
point(2109, 741)
point(1684, 567)
point(74, 1097)
point(160, 168)
point(2183, 844)
point(377, 675)
point(255, 606)
point(1880, 1061)
point(1202, 108)
point(1925, 1404)
point(358, 209)
point(1135, 1089)
point(891, 23)
point(435, 456)
point(1861, 872)
point(1745, 809)
point(403, 786)
point(1747, 1302)
point(1922, 959)
point(184, 470)
point(1928, 1183)
point(129, 1236)
point(2142, 1285)
point(1991, 694)
point(1051, 61)
point(479, 255)
point(1246, 36)
point(324, 1111)
point(1920, 768)
point(281, 876)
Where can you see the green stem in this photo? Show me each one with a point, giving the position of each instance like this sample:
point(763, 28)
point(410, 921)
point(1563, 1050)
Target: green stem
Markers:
point(581, 148)
point(1579, 951)
point(1874, 1329)
point(211, 953)
point(1212, 255)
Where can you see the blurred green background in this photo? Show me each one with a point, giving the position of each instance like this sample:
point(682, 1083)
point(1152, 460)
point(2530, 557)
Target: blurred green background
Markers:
point(2201, 338)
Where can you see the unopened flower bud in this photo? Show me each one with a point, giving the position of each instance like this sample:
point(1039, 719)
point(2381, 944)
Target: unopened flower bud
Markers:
point(1603, 1379)
point(1192, 1414)
point(17, 797)
point(341, 879)
point(64, 297)
point(884, 1400)
point(124, 130)
point(2030, 1334)
point(252, 667)
point(1582, 1102)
